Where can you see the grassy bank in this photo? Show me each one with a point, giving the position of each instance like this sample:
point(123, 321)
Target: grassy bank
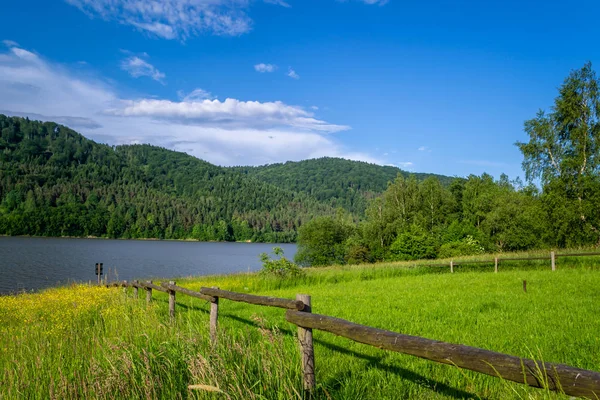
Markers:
point(98, 343)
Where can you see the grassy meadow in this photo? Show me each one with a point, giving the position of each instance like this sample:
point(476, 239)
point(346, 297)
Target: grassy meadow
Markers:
point(90, 342)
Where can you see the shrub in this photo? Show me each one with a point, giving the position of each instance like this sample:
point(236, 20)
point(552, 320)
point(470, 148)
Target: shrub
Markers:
point(467, 246)
point(413, 246)
point(281, 268)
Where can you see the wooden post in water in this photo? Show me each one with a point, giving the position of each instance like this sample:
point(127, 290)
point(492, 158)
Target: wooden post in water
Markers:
point(307, 351)
point(496, 264)
point(214, 317)
point(172, 301)
point(149, 294)
point(135, 289)
point(553, 260)
point(452, 266)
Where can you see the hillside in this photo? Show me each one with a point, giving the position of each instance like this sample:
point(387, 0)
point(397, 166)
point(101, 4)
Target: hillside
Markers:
point(335, 181)
point(55, 182)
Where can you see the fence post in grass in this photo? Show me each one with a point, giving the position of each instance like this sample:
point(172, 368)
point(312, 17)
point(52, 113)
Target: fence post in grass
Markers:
point(452, 266)
point(496, 264)
point(125, 287)
point(172, 301)
point(307, 351)
point(135, 289)
point(553, 260)
point(525, 286)
point(148, 294)
point(214, 315)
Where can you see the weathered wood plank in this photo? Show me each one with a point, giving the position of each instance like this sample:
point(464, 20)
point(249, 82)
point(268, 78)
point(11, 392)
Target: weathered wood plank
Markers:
point(150, 285)
point(307, 351)
point(253, 299)
point(559, 377)
point(187, 292)
point(214, 319)
point(524, 259)
point(172, 300)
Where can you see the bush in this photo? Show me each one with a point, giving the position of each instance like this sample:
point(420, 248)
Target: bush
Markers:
point(281, 268)
point(321, 241)
point(412, 246)
point(464, 247)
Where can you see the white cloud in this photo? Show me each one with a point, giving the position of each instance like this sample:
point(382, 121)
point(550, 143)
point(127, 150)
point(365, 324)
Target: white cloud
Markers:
point(229, 132)
point(292, 74)
point(402, 165)
point(195, 95)
point(378, 2)
point(422, 148)
point(265, 67)
point(10, 43)
point(278, 2)
point(138, 67)
point(175, 19)
point(314, 108)
point(227, 114)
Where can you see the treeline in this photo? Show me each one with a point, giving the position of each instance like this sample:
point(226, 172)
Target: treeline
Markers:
point(55, 182)
point(337, 182)
point(421, 220)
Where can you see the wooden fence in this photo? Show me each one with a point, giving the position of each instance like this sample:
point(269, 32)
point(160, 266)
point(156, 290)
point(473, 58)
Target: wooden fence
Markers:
point(497, 260)
point(557, 377)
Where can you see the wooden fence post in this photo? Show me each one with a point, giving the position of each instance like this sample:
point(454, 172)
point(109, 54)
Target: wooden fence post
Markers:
point(214, 316)
point(553, 260)
point(135, 289)
point(496, 264)
point(125, 287)
point(307, 351)
point(149, 294)
point(525, 286)
point(172, 301)
point(452, 266)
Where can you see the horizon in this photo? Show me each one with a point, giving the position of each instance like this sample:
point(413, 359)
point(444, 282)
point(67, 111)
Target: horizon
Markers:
point(441, 90)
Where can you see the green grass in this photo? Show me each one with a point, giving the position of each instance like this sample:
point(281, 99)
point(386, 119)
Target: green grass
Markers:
point(119, 348)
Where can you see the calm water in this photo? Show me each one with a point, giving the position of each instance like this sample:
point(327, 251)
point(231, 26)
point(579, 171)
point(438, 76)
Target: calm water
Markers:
point(36, 263)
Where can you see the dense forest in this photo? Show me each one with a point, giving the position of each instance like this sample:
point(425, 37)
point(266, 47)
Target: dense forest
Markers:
point(419, 220)
point(335, 181)
point(55, 182)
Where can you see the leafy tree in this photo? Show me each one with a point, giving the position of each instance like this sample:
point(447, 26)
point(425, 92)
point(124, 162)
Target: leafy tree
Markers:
point(563, 151)
point(321, 241)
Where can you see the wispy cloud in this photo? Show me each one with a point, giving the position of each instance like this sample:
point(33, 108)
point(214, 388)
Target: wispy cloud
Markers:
point(314, 108)
point(10, 43)
point(422, 148)
point(195, 95)
point(278, 2)
point(138, 67)
point(378, 2)
point(229, 132)
point(265, 67)
point(292, 74)
point(175, 19)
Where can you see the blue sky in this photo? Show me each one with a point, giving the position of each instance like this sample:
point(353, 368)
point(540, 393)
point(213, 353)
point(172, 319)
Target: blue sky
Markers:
point(439, 87)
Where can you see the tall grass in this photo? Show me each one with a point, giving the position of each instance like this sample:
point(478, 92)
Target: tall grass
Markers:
point(86, 342)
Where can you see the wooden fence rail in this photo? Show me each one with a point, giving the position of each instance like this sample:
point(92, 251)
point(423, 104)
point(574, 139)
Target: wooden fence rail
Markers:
point(557, 377)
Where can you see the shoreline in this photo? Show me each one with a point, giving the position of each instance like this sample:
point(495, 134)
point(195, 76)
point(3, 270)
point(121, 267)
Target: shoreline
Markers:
point(138, 239)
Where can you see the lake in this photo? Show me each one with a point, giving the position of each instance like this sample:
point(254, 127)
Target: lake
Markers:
point(37, 263)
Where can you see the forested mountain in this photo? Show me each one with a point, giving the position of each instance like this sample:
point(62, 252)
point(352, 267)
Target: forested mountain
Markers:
point(55, 182)
point(335, 181)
